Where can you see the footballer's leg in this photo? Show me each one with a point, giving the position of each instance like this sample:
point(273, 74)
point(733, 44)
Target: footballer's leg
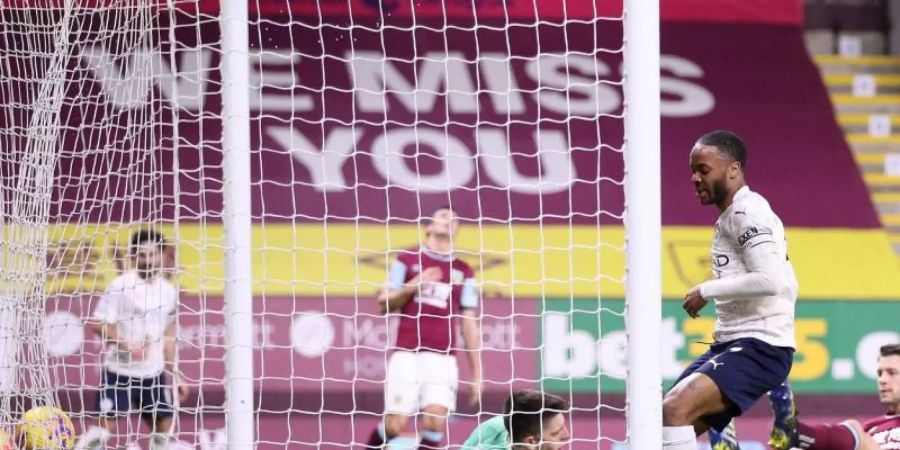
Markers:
point(725, 439)
point(677, 436)
point(401, 396)
point(434, 421)
point(112, 402)
point(727, 384)
point(784, 410)
point(157, 409)
point(439, 388)
point(692, 401)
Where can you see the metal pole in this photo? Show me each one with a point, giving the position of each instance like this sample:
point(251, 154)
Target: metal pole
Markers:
point(235, 65)
point(643, 229)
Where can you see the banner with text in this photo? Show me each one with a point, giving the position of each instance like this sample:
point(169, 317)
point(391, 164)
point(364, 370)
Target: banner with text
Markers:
point(584, 344)
point(375, 124)
point(306, 347)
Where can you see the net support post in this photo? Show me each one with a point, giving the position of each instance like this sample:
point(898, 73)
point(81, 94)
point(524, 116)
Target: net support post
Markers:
point(234, 27)
point(643, 230)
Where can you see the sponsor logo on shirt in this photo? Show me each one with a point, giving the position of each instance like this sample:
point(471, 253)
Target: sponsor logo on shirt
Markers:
point(435, 294)
point(748, 234)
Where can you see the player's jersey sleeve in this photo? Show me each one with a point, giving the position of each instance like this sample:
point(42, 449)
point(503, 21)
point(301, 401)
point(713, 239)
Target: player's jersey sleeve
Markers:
point(750, 228)
point(397, 274)
point(469, 297)
point(756, 240)
point(107, 309)
point(759, 251)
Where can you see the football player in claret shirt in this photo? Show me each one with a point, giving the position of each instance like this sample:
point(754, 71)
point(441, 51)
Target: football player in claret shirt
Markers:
point(432, 292)
point(880, 433)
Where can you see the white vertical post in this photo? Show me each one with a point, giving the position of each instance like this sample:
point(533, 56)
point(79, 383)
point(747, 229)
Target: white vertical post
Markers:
point(643, 230)
point(237, 223)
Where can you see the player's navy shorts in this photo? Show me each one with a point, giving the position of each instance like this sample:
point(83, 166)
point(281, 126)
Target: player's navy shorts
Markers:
point(744, 370)
point(120, 395)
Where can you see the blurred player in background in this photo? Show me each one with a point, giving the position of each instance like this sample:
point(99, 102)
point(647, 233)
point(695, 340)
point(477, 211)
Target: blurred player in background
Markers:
point(754, 289)
point(429, 288)
point(531, 420)
point(135, 319)
point(880, 433)
point(121, 261)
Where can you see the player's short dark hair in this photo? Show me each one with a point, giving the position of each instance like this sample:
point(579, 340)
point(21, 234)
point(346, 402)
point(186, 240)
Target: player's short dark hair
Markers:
point(890, 350)
point(728, 143)
point(143, 236)
point(526, 412)
point(430, 218)
point(443, 207)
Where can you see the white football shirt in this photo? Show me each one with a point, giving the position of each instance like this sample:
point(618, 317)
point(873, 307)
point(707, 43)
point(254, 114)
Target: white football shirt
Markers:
point(141, 310)
point(754, 286)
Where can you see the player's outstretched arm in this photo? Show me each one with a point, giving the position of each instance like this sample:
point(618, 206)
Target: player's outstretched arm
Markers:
point(169, 349)
point(390, 300)
point(847, 435)
point(471, 332)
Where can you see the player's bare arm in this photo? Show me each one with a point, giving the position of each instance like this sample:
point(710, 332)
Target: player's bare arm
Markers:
point(110, 335)
point(471, 332)
point(169, 349)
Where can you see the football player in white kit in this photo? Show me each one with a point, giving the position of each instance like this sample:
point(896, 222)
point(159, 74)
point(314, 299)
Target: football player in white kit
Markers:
point(754, 290)
point(135, 319)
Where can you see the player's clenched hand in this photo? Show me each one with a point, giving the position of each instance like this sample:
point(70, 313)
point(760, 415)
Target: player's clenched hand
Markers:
point(136, 351)
point(693, 302)
point(182, 388)
point(476, 390)
point(429, 275)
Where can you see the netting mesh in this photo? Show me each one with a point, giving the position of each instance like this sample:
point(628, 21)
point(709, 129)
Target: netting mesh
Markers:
point(364, 120)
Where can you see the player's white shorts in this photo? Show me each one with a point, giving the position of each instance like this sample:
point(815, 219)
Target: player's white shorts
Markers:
point(415, 380)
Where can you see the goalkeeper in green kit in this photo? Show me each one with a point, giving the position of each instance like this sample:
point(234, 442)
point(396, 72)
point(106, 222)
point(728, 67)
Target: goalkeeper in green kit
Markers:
point(531, 420)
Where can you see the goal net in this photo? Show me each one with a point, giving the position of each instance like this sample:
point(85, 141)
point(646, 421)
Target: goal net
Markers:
point(366, 117)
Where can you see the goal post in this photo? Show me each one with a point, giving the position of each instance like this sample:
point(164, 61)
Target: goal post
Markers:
point(643, 224)
point(237, 225)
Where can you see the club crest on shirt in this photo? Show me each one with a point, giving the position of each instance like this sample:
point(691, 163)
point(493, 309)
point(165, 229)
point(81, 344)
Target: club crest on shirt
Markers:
point(456, 276)
point(720, 261)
